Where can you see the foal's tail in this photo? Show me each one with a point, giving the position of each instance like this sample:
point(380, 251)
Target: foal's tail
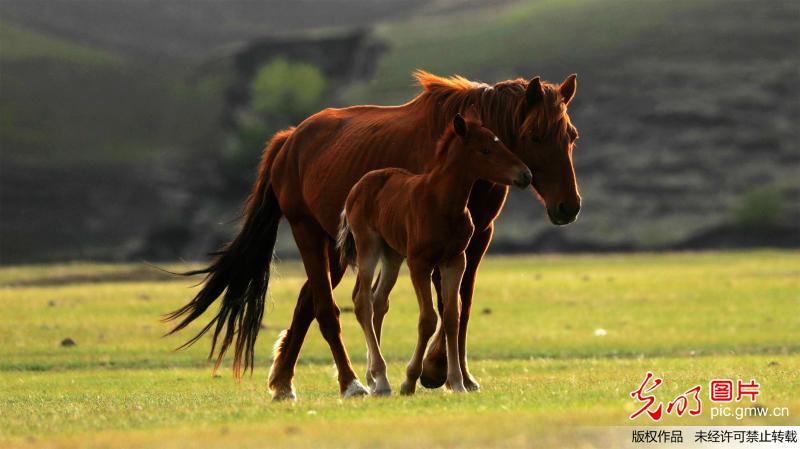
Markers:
point(345, 242)
point(241, 270)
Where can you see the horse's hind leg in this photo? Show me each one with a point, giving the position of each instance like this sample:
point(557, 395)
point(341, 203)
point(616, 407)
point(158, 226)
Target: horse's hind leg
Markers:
point(287, 348)
point(314, 245)
point(368, 250)
point(421, 278)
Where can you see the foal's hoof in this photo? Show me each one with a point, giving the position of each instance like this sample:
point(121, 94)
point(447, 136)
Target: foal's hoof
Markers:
point(355, 389)
point(434, 372)
point(471, 384)
point(284, 395)
point(455, 387)
point(458, 388)
point(381, 391)
point(370, 380)
point(380, 387)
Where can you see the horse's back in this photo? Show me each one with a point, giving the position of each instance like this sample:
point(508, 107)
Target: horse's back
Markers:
point(330, 151)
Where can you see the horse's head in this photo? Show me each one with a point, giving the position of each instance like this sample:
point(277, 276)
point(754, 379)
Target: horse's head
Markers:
point(545, 143)
point(480, 153)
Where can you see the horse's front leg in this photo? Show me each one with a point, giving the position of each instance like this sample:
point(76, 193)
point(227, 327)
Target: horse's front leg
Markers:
point(475, 252)
point(434, 372)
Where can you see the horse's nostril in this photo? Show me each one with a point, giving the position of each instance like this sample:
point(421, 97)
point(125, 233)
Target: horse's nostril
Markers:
point(527, 177)
point(566, 210)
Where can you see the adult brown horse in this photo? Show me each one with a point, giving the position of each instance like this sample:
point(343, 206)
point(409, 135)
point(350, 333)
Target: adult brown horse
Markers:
point(305, 175)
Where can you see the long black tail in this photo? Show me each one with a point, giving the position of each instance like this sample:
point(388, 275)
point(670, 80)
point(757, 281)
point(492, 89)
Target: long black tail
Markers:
point(241, 270)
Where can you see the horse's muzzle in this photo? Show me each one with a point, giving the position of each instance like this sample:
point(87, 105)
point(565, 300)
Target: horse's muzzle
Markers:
point(564, 213)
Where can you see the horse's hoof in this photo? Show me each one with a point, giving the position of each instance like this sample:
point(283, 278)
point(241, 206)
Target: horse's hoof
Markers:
point(408, 388)
point(434, 372)
point(355, 389)
point(284, 395)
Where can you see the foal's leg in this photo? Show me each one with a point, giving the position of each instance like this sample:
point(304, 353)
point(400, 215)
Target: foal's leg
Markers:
point(421, 278)
point(452, 272)
point(434, 366)
point(368, 255)
point(434, 372)
point(390, 267)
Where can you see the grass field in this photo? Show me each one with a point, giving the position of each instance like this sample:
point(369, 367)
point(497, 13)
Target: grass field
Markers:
point(687, 317)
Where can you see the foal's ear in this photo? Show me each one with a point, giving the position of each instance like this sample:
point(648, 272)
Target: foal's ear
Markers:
point(568, 87)
point(535, 92)
point(459, 125)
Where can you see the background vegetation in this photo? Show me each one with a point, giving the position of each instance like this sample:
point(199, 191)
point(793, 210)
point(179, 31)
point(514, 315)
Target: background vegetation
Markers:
point(121, 144)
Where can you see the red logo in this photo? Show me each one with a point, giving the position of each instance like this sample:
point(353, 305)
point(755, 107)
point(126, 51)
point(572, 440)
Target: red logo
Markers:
point(719, 390)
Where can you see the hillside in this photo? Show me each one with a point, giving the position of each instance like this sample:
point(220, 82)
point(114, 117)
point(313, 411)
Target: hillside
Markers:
point(87, 137)
point(111, 124)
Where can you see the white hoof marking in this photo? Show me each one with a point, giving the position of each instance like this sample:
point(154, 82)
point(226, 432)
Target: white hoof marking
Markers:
point(355, 389)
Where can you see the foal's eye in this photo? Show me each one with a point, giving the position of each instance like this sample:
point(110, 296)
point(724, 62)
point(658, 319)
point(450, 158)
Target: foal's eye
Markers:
point(484, 150)
point(536, 139)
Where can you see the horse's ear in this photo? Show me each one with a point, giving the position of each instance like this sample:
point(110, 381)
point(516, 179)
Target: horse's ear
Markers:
point(459, 125)
point(535, 92)
point(472, 114)
point(568, 87)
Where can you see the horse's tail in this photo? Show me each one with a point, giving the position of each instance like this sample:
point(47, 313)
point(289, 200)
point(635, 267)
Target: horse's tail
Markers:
point(345, 243)
point(241, 270)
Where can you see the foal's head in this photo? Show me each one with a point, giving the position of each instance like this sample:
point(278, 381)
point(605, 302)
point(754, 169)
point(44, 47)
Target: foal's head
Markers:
point(478, 152)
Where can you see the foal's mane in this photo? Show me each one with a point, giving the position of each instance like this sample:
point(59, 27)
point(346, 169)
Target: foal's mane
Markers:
point(502, 107)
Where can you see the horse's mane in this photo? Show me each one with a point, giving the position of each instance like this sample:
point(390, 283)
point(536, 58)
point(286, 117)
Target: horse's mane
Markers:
point(502, 107)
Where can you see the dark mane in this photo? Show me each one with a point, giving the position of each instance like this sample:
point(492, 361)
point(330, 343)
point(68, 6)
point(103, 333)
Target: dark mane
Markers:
point(502, 107)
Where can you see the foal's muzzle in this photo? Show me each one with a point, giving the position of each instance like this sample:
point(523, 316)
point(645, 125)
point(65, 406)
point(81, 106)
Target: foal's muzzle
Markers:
point(523, 179)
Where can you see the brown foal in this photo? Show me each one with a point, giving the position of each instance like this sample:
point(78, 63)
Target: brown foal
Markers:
point(391, 214)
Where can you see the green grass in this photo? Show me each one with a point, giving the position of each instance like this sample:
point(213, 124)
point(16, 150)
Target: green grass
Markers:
point(687, 317)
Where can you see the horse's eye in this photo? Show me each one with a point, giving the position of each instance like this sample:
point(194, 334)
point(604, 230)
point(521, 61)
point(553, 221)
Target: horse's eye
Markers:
point(535, 139)
point(484, 150)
